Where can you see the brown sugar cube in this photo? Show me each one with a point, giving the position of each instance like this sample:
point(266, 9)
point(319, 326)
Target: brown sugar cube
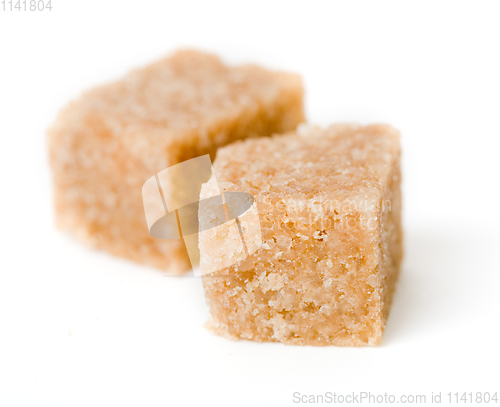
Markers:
point(329, 203)
point(104, 146)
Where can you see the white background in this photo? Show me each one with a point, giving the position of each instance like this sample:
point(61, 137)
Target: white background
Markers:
point(80, 328)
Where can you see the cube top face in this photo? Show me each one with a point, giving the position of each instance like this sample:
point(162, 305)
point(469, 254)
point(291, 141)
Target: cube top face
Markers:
point(331, 248)
point(189, 94)
point(314, 166)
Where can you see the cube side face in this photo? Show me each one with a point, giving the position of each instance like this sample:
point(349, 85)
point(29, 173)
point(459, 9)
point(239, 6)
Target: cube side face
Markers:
point(326, 272)
point(97, 194)
point(314, 281)
point(392, 238)
point(106, 145)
